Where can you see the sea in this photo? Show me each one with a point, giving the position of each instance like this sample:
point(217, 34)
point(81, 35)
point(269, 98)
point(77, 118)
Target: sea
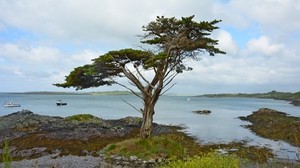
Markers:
point(222, 125)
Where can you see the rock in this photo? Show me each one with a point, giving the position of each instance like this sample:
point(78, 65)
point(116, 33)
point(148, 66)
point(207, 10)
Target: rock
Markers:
point(133, 158)
point(28, 152)
point(131, 162)
point(243, 118)
point(295, 102)
point(38, 131)
point(275, 125)
point(151, 161)
point(267, 111)
point(202, 111)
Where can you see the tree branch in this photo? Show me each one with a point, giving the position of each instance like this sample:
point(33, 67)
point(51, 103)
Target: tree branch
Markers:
point(132, 91)
point(138, 71)
point(168, 88)
point(170, 79)
point(132, 106)
point(133, 79)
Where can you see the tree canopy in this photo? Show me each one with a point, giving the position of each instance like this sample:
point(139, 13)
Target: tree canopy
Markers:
point(175, 40)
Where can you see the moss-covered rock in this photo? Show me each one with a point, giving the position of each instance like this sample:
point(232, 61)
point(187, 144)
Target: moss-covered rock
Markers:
point(275, 125)
point(86, 119)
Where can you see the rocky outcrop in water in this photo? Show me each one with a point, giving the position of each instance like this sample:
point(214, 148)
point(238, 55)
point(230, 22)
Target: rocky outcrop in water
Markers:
point(274, 125)
point(295, 102)
point(202, 111)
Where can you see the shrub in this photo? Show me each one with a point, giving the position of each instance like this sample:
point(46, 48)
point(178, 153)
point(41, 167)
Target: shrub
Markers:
point(6, 158)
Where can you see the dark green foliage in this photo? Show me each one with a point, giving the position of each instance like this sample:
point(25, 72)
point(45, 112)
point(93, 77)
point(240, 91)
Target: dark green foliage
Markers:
point(183, 35)
point(104, 69)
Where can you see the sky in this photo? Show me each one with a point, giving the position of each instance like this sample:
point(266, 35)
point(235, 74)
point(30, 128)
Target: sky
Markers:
point(41, 41)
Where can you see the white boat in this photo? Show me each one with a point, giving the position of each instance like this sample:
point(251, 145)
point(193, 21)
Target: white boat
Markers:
point(12, 104)
point(60, 103)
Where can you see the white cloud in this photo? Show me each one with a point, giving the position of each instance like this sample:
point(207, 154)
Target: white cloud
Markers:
point(85, 56)
point(29, 55)
point(226, 42)
point(281, 14)
point(94, 21)
point(276, 17)
point(71, 33)
point(264, 45)
point(41, 62)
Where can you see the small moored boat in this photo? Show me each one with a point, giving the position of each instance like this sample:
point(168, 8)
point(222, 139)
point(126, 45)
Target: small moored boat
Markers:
point(12, 104)
point(60, 103)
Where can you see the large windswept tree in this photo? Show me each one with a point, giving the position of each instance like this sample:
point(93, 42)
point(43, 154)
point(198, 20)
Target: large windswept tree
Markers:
point(176, 40)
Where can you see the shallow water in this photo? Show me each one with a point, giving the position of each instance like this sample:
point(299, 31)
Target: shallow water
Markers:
point(222, 125)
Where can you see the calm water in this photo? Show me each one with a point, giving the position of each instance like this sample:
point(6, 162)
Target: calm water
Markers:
point(221, 125)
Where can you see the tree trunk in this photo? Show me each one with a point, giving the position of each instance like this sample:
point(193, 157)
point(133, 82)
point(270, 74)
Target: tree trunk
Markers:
point(146, 128)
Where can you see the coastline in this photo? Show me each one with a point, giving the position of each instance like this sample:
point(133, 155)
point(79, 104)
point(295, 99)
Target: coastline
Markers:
point(46, 140)
point(293, 98)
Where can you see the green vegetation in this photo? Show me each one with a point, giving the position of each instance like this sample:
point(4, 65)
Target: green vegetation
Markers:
point(275, 125)
point(84, 118)
point(164, 146)
point(178, 147)
point(270, 95)
point(6, 158)
point(211, 160)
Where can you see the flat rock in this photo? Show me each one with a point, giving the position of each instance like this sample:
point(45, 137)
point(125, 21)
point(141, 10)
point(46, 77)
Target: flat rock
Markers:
point(202, 111)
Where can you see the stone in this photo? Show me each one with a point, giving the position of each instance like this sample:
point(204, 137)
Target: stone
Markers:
point(295, 102)
point(133, 158)
point(202, 111)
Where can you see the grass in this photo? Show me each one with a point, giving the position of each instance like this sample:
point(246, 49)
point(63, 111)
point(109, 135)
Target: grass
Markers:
point(81, 118)
point(164, 146)
point(211, 160)
point(178, 146)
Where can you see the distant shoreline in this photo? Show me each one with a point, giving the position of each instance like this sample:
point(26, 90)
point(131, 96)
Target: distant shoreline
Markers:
point(294, 98)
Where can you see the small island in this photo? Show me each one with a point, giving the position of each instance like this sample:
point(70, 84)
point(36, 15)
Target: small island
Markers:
point(202, 112)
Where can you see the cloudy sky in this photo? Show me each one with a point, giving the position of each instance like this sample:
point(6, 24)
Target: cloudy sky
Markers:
point(41, 41)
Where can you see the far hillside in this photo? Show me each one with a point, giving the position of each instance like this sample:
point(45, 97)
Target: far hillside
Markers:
point(270, 95)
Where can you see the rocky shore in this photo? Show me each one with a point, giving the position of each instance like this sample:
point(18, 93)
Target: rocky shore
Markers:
point(35, 137)
point(295, 102)
point(276, 125)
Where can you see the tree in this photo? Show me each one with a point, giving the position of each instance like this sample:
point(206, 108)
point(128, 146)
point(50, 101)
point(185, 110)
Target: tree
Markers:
point(176, 40)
